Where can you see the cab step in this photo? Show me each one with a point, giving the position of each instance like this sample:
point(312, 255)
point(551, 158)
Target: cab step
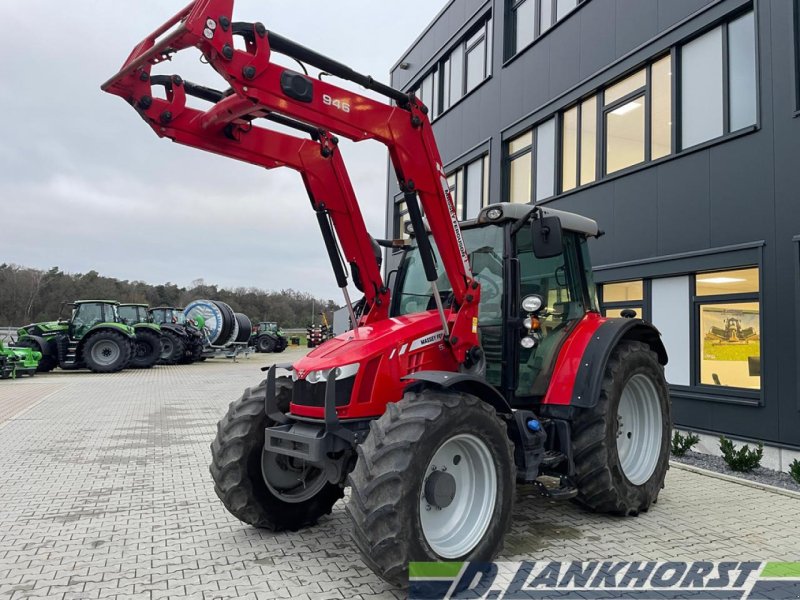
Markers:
point(556, 488)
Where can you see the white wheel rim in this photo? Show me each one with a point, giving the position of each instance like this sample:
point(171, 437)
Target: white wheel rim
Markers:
point(455, 530)
point(639, 429)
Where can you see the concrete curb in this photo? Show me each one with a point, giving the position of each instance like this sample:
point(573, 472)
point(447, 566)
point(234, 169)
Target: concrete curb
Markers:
point(753, 484)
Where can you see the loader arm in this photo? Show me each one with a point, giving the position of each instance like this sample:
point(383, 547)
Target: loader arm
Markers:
point(228, 129)
point(261, 87)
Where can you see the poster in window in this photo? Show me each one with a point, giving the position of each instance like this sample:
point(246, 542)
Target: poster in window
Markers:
point(731, 345)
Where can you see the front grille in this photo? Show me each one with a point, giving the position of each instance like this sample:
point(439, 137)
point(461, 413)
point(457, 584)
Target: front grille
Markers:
point(313, 394)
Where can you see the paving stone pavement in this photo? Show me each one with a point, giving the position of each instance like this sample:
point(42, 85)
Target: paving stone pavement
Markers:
point(105, 493)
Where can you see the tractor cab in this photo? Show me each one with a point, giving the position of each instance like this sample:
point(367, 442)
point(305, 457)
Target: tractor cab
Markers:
point(531, 297)
point(134, 314)
point(167, 315)
point(87, 314)
point(268, 327)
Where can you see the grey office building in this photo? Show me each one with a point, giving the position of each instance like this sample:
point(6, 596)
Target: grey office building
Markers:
point(674, 124)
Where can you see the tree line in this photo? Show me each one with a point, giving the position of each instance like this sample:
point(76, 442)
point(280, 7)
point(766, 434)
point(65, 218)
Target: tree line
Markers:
point(31, 295)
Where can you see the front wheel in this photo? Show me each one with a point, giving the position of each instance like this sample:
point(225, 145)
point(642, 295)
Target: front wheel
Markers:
point(434, 481)
point(621, 445)
point(107, 352)
point(263, 489)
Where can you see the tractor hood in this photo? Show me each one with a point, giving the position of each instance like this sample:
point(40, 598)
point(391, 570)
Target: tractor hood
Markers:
point(388, 338)
point(46, 328)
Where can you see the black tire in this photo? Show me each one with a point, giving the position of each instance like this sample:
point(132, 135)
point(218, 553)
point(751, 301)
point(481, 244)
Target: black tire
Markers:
point(46, 363)
point(118, 347)
point(236, 467)
point(392, 465)
point(245, 328)
point(265, 344)
point(173, 348)
point(147, 349)
point(281, 345)
point(603, 486)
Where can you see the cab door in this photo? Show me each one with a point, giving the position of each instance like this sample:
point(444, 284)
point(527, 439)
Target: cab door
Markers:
point(560, 282)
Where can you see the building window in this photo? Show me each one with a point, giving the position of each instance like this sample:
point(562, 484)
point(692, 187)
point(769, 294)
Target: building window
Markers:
point(579, 144)
point(469, 186)
point(636, 109)
point(401, 219)
point(718, 82)
point(531, 18)
point(533, 152)
point(728, 310)
point(625, 295)
point(465, 68)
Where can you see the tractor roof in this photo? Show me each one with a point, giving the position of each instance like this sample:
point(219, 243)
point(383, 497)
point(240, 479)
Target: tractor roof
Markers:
point(96, 302)
point(134, 304)
point(166, 308)
point(512, 211)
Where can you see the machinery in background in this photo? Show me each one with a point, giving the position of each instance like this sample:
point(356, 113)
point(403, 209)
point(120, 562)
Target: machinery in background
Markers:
point(148, 348)
point(94, 338)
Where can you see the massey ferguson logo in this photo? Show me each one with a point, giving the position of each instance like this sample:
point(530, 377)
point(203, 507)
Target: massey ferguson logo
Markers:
point(426, 341)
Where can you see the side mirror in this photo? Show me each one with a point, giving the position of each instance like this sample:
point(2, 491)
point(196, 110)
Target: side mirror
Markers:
point(547, 237)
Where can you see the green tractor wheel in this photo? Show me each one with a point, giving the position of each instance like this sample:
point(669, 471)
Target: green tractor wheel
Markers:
point(107, 352)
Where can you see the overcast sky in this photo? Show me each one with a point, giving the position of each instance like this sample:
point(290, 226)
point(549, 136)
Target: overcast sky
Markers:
point(85, 183)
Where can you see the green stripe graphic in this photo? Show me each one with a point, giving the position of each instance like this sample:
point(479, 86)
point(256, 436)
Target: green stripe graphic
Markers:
point(781, 569)
point(439, 570)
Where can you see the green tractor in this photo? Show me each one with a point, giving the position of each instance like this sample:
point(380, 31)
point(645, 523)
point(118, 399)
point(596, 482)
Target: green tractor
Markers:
point(148, 335)
point(182, 339)
point(268, 337)
point(18, 361)
point(94, 338)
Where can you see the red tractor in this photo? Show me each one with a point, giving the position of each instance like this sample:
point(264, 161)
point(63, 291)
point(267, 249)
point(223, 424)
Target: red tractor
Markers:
point(487, 366)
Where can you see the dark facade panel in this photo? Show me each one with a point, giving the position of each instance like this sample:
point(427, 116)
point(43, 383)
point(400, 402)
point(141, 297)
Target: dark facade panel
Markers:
point(683, 212)
point(598, 36)
point(636, 22)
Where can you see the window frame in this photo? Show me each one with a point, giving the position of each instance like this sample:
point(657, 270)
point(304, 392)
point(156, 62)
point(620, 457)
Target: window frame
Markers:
point(441, 73)
point(533, 150)
point(644, 303)
point(696, 350)
point(727, 132)
point(485, 175)
point(511, 6)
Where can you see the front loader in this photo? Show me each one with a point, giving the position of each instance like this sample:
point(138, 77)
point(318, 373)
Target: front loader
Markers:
point(489, 364)
point(93, 338)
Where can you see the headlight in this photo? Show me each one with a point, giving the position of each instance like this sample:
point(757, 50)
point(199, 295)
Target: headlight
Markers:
point(340, 372)
point(494, 214)
point(528, 343)
point(532, 303)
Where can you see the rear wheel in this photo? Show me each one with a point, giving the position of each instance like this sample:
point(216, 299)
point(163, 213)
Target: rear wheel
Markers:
point(46, 363)
point(263, 489)
point(172, 348)
point(147, 350)
point(434, 481)
point(621, 446)
point(107, 352)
